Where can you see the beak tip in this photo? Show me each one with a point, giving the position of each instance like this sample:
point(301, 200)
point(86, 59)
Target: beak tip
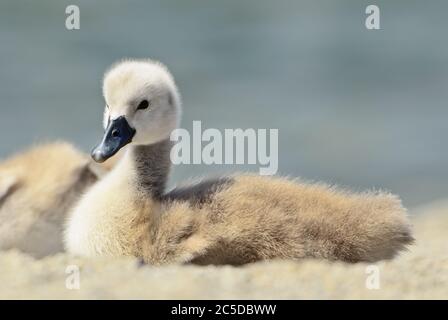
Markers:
point(98, 156)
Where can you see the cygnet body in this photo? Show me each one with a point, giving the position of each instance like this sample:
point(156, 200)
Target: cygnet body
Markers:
point(229, 220)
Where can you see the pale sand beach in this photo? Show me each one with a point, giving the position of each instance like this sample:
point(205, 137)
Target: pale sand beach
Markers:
point(420, 273)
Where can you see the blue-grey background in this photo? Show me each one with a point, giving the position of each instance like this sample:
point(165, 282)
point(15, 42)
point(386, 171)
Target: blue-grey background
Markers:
point(360, 108)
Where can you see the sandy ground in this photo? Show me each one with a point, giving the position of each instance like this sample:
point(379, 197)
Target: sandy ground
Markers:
point(421, 273)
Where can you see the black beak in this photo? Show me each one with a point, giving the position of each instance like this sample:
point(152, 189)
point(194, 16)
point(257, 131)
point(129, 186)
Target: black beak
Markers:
point(118, 134)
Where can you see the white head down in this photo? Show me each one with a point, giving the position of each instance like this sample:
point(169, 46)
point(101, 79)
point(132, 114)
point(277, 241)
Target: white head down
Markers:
point(143, 106)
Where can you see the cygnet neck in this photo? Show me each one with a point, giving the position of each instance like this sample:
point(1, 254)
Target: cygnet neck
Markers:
point(152, 167)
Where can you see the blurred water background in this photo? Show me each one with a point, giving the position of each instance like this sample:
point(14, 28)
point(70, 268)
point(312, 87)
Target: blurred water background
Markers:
point(358, 108)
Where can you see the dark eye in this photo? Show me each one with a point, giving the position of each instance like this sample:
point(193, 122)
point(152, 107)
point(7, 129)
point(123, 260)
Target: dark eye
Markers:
point(143, 105)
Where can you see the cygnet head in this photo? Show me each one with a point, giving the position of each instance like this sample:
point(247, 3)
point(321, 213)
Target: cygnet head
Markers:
point(142, 106)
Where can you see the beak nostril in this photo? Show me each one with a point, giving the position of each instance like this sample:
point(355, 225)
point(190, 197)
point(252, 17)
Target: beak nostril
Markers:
point(115, 133)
